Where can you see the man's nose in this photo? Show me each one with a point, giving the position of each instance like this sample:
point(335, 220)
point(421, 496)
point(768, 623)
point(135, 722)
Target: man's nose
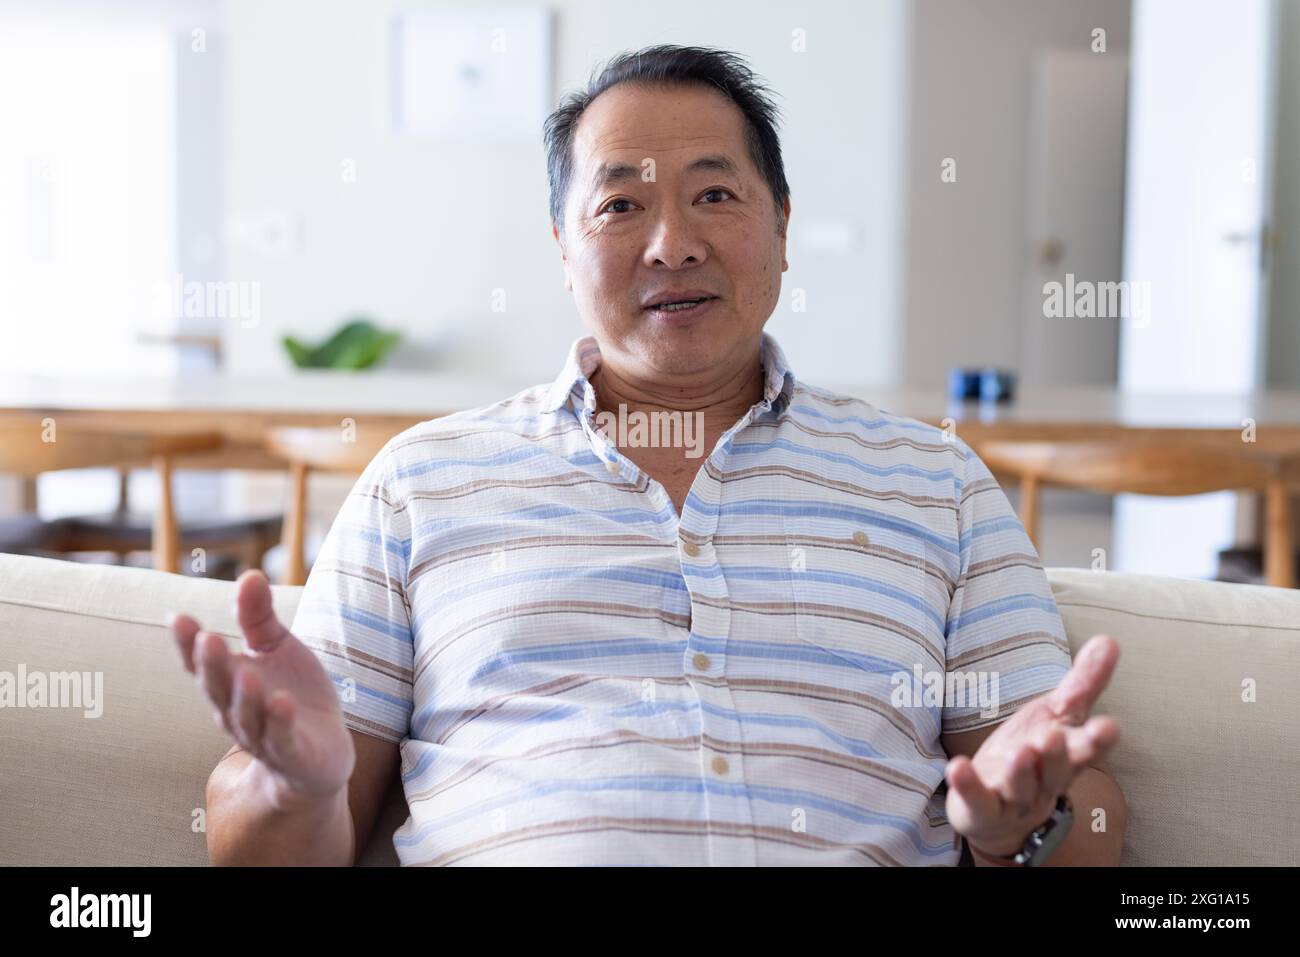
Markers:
point(676, 241)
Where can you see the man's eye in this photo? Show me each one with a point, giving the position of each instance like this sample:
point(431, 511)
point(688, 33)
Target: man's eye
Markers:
point(609, 207)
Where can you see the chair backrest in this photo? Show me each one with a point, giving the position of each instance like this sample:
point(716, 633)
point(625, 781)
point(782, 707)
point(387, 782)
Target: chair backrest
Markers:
point(321, 449)
point(325, 448)
point(29, 449)
point(1120, 466)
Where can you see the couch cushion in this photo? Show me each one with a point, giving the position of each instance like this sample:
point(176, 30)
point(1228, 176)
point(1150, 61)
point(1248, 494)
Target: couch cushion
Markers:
point(1209, 778)
point(122, 788)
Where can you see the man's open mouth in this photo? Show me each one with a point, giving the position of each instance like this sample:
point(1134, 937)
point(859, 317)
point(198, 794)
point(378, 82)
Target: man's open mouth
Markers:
point(679, 305)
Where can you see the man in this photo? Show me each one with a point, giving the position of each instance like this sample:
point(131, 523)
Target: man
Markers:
point(590, 648)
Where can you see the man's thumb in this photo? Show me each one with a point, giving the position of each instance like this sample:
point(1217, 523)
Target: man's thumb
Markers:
point(254, 612)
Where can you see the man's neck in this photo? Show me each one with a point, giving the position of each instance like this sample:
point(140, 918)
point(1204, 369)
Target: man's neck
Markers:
point(723, 401)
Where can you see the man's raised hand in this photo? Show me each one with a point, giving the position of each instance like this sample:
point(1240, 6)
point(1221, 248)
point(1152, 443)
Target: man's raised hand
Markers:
point(276, 700)
point(1011, 784)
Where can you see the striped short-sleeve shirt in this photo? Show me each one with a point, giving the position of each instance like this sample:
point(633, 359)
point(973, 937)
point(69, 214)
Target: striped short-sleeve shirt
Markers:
point(578, 675)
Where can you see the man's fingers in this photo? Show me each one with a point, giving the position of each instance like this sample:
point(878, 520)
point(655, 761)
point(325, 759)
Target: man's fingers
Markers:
point(1056, 771)
point(254, 611)
point(1086, 744)
point(1019, 786)
point(213, 670)
point(248, 711)
point(964, 781)
point(1078, 691)
point(184, 630)
point(279, 726)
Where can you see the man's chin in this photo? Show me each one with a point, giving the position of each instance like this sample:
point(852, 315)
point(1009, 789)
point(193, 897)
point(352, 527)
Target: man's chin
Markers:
point(685, 355)
point(693, 347)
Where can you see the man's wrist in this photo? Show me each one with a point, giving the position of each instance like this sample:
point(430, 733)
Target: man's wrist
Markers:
point(283, 798)
point(1037, 845)
point(984, 859)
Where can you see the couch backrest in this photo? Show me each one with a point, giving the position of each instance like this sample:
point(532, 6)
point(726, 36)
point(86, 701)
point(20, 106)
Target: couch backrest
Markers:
point(1209, 777)
point(127, 787)
point(1205, 693)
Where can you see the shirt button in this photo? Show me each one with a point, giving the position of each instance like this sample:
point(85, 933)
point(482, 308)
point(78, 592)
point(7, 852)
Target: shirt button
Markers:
point(691, 549)
point(612, 465)
point(860, 538)
point(701, 661)
point(720, 765)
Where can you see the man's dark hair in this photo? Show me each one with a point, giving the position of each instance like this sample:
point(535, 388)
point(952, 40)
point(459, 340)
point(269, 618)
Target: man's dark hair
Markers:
point(669, 65)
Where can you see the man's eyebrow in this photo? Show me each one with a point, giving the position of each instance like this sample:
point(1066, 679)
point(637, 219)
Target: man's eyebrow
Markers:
point(610, 173)
point(720, 163)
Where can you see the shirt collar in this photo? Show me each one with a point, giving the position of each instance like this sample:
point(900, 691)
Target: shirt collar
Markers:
point(574, 380)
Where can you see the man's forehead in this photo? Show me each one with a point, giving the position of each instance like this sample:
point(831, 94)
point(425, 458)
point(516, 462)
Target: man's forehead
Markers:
point(608, 172)
point(676, 127)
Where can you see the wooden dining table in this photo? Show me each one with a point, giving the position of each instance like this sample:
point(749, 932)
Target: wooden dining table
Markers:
point(243, 409)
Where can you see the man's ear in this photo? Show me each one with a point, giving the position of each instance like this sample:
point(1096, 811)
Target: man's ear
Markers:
point(785, 230)
point(564, 256)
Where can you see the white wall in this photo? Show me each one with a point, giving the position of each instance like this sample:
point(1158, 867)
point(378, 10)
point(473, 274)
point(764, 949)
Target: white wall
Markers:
point(1283, 370)
point(428, 230)
point(970, 89)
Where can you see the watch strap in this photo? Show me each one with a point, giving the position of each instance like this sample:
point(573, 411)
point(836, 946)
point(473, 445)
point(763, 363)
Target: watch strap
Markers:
point(1032, 854)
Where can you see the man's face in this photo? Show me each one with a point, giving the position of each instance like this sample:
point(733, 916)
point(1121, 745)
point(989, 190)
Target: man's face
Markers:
point(670, 222)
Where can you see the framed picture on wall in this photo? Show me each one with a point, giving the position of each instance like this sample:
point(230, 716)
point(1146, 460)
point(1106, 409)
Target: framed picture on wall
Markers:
point(471, 75)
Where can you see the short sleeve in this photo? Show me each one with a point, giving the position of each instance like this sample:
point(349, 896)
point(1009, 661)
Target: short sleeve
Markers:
point(1006, 643)
point(353, 612)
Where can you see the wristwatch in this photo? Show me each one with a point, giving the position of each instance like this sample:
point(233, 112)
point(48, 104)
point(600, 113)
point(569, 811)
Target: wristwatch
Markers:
point(1044, 839)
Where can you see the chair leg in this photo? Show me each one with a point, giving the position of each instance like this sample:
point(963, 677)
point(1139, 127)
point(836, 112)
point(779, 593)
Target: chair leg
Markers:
point(295, 526)
point(250, 551)
point(123, 505)
point(266, 542)
point(30, 499)
point(166, 537)
point(1279, 556)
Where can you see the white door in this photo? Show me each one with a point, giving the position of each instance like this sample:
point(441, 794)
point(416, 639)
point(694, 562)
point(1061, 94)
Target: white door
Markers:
point(1075, 209)
point(1198, 175)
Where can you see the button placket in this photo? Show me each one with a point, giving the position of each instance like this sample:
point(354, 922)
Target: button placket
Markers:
point(708, 620)
point(722, 766)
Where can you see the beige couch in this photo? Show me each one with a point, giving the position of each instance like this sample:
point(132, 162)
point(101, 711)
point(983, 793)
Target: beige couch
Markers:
point(1209, 778)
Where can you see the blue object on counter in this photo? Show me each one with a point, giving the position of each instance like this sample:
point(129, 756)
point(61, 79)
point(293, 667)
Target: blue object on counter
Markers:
point(996, 385)
point(987, 384)
point(963, 383)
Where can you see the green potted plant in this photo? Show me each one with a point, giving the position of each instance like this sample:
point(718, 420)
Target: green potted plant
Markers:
point(359, 344)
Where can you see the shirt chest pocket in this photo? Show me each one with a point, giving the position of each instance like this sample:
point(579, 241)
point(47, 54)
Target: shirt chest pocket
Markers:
point(869, 594)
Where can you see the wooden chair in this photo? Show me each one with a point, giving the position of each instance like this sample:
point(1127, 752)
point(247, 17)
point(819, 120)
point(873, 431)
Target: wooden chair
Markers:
point(28, 450)
point(323, 449)
point(1176, 468)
